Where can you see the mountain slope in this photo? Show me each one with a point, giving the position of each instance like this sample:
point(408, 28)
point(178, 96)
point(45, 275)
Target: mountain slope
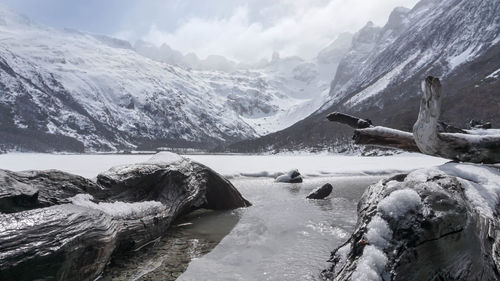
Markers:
point(68, 90)
point(307, 81)
point(379, 78)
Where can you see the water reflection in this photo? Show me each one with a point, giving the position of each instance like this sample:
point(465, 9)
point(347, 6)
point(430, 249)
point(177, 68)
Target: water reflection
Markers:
point(283, 236)
point(167, 258)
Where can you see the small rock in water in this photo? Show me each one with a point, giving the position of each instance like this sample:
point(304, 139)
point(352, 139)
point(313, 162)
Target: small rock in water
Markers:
point(321, 193)
point(291, 177)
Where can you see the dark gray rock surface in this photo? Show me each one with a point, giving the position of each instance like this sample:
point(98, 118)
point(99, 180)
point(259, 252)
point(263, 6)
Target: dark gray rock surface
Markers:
point(321, 192)
point(432, 224)
point(37, 189)
point(58, 226)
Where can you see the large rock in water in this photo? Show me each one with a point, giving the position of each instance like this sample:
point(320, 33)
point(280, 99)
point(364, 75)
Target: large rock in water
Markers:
point(292, 176)
point(321, 192)
point(58, 226)
point(432, 224)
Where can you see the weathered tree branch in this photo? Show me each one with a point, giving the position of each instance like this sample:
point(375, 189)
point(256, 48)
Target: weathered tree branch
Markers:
point(349, 120)
point(386, 137)
point(430, 136)
point(368, 134)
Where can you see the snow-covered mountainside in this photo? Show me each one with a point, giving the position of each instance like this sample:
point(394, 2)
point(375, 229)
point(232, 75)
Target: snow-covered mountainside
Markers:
point(306, 81)
point(434, 37)
point(69, 90)
point(380, 76)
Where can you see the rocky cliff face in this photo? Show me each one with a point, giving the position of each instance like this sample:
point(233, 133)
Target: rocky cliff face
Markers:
point(432, 224)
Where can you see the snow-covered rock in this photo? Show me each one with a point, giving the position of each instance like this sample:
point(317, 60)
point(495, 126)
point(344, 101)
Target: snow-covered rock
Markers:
point(293, 176)
point(439, 223)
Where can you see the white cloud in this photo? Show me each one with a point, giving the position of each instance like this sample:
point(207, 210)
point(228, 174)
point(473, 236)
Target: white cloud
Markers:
point(291, 27)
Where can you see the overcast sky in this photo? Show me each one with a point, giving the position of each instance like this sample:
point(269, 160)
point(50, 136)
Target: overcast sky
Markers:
point(241, 30)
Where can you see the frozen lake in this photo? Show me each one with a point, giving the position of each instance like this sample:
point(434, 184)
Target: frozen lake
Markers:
point(89, 165)
point(283, 236)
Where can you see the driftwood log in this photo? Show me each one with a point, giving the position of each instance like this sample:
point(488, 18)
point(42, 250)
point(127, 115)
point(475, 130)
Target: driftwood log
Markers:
point(430, 136)
point(59, 226)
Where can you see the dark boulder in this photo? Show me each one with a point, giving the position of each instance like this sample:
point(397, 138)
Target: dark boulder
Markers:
point(58, 226)
point(321, 192)
point(432, 224)
point(37, 189)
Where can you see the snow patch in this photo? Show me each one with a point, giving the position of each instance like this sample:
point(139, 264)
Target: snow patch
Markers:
point(484, 132)
point(461, 58)
point(379, 234)
point(495, 74)
point(370, 265)
point(119, 210)
point(482, 185)
point(291, 175)
point(166, 158)
point(399, 202)
point(381, 83)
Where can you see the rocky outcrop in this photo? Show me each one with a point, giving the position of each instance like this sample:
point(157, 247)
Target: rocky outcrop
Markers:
point(38, 189)
point(321, 192)
point(292, 176)
point(58, 226)
point(431, 224)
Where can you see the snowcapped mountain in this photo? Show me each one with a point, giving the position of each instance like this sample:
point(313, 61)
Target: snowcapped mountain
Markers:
point(379, 77)
point(70, 90)
point(434, 37)
point(306, 82)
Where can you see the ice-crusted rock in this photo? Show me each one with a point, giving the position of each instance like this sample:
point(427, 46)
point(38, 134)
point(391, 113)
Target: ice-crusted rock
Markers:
point(37, 189)
point(58, 226)
point(321, 192)
point(292, 176)
point(432, 224)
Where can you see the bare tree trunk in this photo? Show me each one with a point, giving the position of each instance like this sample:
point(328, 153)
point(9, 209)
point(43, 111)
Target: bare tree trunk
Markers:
point(386, 137)
point(461, 147)
point(425, 129)
point(451, 142)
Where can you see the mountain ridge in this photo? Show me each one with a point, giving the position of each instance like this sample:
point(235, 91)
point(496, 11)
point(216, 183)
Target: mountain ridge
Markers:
point(71, 90)
point(379, 78)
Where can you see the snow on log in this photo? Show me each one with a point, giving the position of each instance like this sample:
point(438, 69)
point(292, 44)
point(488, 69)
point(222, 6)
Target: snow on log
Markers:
point(368, 134)
point(430, 136)
point(456, 146)
point(386, 137)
